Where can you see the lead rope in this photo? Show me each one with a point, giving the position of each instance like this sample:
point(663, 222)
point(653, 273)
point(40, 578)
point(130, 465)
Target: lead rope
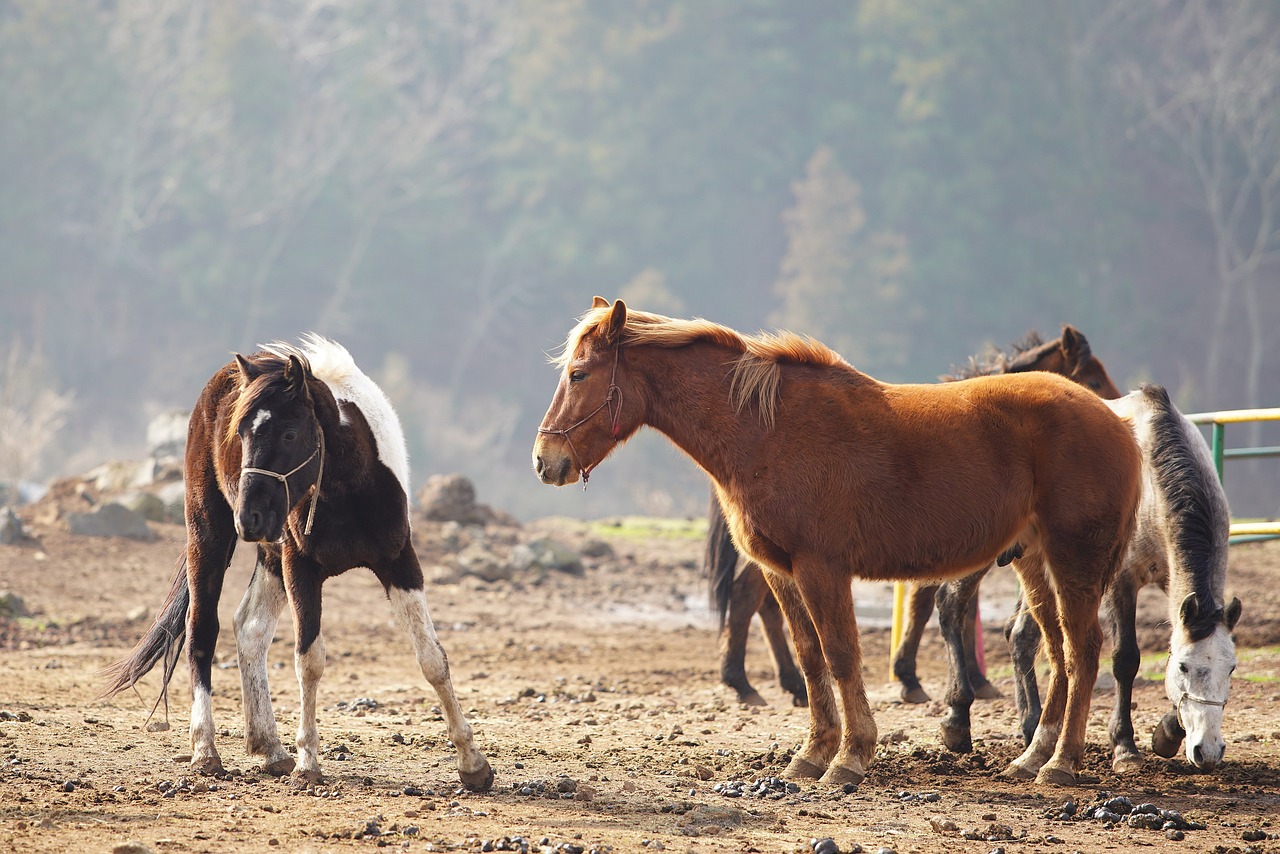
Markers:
point(284, 478)
point(614, 417)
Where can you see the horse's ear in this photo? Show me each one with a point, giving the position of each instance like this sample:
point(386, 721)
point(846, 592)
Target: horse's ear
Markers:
point(1232, 615)
point(296, 375)
point(599, 302)
point(1188, 609)
point(613, 325)
point(248, 371)
point(1075, 347)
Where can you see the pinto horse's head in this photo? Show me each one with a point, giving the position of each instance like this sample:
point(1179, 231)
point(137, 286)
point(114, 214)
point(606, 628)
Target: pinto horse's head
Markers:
point(1197, 680)
point(281, 444)
point(589, 415)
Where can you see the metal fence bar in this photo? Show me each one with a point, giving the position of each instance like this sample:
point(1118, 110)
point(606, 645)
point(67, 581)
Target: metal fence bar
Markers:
point(1241, 532)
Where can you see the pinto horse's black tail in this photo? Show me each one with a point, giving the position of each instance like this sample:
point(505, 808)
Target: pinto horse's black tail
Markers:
point(721, 560)
point(163, 641)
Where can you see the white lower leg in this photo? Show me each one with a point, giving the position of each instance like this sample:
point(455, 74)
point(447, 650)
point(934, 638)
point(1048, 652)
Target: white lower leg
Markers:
point(310, 667)
point(204, 754)
point(255, 625)
point(410, 608)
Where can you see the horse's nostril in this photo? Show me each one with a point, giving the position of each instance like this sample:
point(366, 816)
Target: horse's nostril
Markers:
point(255, 521)
point(1197, 755)
point(539, 465)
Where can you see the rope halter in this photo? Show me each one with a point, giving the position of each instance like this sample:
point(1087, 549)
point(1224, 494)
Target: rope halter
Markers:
point(1187, 696)
point(614, 416)
point(284, 478)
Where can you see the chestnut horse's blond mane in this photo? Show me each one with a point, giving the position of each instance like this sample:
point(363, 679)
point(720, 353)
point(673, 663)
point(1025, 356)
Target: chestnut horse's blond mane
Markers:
point(756, 371)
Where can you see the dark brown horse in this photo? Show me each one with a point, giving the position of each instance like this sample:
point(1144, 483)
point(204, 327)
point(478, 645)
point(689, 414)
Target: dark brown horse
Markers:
point(296, 450)
point(740, 595)
point(825, 473)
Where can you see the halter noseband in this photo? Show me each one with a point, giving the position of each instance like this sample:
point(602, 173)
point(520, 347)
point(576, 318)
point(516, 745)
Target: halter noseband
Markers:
point(614, 415)
point(284, 478)
point(1193, 698)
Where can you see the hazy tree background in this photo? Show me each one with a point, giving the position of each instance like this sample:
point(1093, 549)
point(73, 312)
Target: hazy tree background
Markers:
point(443, 185)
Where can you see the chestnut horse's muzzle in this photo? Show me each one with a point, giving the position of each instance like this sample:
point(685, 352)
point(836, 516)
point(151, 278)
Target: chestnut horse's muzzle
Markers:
point(556, 468)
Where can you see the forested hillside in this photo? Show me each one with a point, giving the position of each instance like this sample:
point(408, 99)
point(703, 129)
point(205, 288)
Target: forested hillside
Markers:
point(443, 185)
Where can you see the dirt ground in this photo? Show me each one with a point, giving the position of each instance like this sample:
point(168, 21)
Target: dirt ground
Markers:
point(596, 700)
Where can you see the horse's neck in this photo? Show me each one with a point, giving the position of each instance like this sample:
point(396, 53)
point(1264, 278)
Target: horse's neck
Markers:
point(687, 391)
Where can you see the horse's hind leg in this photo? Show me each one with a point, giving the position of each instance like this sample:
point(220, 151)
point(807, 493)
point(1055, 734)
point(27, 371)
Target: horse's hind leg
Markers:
point(824, 718)
point(255, 624)
point(953, 612)
point(919, 607)
point(775, 634)
point(1121, 602)
point(403, 582)
point(748, 593)
point(1040, 602)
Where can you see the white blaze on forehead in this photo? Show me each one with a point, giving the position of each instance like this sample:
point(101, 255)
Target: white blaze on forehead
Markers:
point(260, 419)
point(332, 364)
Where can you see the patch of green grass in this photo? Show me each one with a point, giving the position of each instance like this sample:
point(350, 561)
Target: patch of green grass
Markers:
point(1261, 678)
point(650, 527)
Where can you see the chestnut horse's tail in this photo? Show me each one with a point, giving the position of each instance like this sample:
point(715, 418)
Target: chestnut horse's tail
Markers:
point(721, 560)
point(163, 641)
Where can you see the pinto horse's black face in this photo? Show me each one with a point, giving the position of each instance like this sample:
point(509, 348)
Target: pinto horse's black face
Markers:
point(280, 453)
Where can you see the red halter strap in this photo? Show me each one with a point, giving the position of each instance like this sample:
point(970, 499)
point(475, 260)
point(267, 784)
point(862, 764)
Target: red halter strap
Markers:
point(614, 415)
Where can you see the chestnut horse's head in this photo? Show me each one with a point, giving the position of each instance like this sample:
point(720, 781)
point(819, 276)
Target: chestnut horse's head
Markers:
point(589, 415)
point(281, 443)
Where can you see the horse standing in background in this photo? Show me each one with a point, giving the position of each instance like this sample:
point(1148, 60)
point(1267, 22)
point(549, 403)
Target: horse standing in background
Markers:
point(825, 473)
point(297, 450)
point(1181, 545)
point(739, 595)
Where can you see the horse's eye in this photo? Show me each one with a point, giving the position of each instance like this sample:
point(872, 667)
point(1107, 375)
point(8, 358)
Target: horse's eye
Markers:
point(1182, 667)
point(290, 435)
point(1095, 384)
point(577, 376)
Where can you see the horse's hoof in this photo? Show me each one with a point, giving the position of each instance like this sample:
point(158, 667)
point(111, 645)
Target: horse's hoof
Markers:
point(1017, 772)
point(1050, 776)
point(211, 765)
point(751, 698)
point(279, 767)
point(841, 775)
point(987, 691)
point(957, 740)
point(1128, 763)
point(800, 700)
point(1167, 737)
point(480, 780)
point(803, 769)
point(914, 695)
point(306, 779)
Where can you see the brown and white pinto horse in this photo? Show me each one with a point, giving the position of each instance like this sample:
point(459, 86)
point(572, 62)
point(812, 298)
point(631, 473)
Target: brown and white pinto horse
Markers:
point(738, 595)
point(297, 450)
point(825, 473)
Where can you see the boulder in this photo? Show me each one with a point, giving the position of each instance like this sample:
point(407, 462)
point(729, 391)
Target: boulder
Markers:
point(147, 505)
point(479, 561)
point(10, 527)
point(546, 553)
point(452, 498)
point(174, 496)
point(167, 436)
point(110, 520)
point(11, 604)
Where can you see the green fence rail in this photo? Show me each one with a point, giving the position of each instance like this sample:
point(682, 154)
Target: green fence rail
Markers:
point(1241, 532)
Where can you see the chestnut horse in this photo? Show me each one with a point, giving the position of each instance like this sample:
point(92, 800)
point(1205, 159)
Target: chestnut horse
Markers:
point(825, 473)
point(1180, 545)
point(294, 449)
point(740, 595)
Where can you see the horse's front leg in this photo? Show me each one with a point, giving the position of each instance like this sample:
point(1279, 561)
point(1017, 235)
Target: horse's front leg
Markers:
point(255, 625)
point(919, 607)
point(775, 634)
point(404, 585)
point(953, 599)
point(829, 598)
point(1121, 603)
point(824, 718)
point(302, 582)
point(1022, 634)
point(210, 542)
